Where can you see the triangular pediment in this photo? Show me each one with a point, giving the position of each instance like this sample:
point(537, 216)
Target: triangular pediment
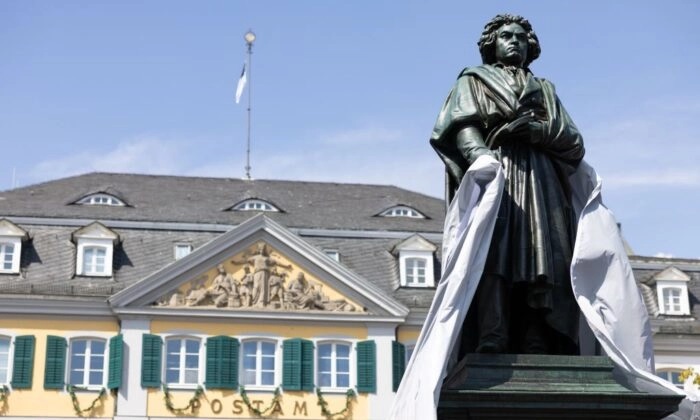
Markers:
point(8, 228)
point(95, 230)
point(258, 266)
point(415, 243)
point(671, 274)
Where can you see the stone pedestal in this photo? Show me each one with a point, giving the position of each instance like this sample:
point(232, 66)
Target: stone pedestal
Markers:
point(485, 386)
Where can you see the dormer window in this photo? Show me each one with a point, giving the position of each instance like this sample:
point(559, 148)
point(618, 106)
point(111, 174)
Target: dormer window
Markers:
point(94, 260)
point(254, 205)
point(182, 250)
point(11, 237)
point(415, 271)
point(672, 300)
point(672, 292)
point(100, 199)
point(95, 250)
point(402, 211)
point(333, 254)
point(416, 256)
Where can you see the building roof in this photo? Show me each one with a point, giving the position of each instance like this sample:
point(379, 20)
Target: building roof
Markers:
point(155, 198)
point(161, 211)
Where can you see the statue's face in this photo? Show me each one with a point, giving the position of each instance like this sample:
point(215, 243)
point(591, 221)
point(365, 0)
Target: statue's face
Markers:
point(511, 45)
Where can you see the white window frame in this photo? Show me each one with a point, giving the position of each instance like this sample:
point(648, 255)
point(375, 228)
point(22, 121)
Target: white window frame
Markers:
point(662, 286)
point(414, 266)
point(333, 254)
point(352, 380)
point(87, 243)
point(201, 355)
point(16, 244)
point(255, 204)
point(257, 386)
point(101, 199)
point(427, 256)
point(181, 245)
point(402, 211)
point(87, 361)
point(10, 358)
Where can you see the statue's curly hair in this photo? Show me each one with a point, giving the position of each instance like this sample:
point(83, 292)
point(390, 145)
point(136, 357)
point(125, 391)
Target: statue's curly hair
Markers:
point(487, 42)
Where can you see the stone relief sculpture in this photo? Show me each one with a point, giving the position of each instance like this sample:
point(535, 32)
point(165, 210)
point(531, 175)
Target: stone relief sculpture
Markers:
point(262, 285)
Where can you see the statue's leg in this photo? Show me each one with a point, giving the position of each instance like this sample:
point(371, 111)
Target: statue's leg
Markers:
point(493, 311)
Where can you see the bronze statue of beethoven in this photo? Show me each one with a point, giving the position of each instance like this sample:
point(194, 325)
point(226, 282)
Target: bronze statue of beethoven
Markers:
point(524, 302)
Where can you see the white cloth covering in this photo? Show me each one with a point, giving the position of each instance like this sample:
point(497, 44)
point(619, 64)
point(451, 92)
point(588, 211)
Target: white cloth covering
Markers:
point(601, 276)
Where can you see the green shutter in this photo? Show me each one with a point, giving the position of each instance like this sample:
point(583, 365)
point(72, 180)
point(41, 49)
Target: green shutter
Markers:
point(366, 366)
point(23, 364)
point(307, 365)
point(55, 368)
point(212, 378)
point(150, 361)
point(291, 364)
point(222, 363)
point(116, 355)
point(398, 358)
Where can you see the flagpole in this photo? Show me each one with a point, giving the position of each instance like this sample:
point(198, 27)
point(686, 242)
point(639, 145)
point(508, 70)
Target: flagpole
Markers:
point(249, 39)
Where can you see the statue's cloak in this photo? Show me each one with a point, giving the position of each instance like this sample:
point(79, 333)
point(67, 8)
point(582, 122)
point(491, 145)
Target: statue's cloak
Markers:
point(602, 281)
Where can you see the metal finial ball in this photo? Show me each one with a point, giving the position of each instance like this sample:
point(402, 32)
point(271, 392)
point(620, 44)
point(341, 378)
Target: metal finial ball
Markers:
point(249, 37)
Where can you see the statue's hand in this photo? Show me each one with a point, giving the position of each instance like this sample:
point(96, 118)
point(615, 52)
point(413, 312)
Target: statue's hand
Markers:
point(526, 128)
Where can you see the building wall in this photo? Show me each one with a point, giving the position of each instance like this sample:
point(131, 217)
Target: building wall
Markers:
point(41, 402)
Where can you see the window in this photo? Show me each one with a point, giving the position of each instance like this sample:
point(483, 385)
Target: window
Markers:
point(416, 268)
point(415, 271)
point(182, 250)
point(254, 205)
point(95, 250)
point(7, 256)
point(409, 352)
point(672, 291)
point(94, 260)
point(182, 361)
point(100, 199)
point(258, 363)
point(334, 365)
point(4, 360)
point(402, 211)
point(11, 237)
point(332, 253)
point(87, 362)
point(671, 375)
point(672, 300)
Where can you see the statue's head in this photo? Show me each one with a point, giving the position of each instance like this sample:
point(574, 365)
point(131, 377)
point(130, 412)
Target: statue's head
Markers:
point(493, 49)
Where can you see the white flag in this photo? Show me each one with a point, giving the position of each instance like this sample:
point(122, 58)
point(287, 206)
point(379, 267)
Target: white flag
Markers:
point(241, 82)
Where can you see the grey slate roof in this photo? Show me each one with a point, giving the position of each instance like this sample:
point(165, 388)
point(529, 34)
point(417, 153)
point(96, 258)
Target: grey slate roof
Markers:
point(48, 260)
point(204, 200)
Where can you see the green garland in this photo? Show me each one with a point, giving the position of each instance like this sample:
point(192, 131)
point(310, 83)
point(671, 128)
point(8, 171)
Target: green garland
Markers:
point(4, 392)
point(347, 411)
point(191, 404)
point(255, 411)
point(76, 404)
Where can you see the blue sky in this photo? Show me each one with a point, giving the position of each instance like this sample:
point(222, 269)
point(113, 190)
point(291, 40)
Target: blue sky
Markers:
point(344, 91)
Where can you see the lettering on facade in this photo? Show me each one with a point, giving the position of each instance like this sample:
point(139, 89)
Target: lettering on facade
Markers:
point(266, 283)
point(300, 408)
point(216, 406)
point(238, 407)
